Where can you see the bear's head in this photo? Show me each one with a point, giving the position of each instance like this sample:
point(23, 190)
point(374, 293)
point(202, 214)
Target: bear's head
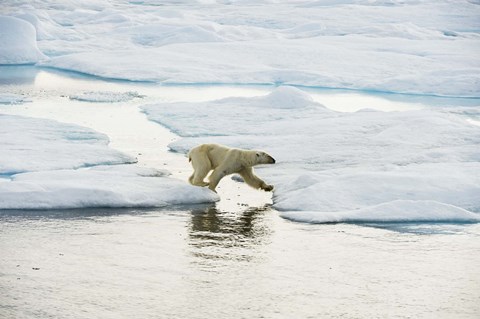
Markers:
point(263, 158)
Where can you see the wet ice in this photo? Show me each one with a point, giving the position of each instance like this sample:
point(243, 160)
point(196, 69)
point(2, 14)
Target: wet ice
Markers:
point(332, 162)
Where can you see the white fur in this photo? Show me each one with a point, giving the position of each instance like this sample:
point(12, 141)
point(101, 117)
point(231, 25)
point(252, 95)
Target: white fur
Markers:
point(224, 161)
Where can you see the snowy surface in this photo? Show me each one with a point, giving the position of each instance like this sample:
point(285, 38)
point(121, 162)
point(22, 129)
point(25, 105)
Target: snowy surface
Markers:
point(48, 165)
point(18, 41)
point(425, 46)
point(348, 164)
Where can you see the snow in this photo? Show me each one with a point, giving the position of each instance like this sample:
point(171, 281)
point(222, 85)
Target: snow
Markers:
point(401, 46)
point(332, 164)
point(105, 96)
point(18, 42)
point(52, 165)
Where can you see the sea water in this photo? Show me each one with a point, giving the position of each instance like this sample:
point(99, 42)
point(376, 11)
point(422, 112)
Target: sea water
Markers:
point(235, 259)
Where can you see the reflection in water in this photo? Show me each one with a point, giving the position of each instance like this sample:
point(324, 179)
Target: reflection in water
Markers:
point(18, 215)
point(215, 235)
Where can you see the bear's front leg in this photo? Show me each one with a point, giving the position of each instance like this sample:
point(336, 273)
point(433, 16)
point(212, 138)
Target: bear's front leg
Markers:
point(266, 187)
point(253, 180)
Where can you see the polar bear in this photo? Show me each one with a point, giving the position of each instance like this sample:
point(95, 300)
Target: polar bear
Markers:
point(224, 161)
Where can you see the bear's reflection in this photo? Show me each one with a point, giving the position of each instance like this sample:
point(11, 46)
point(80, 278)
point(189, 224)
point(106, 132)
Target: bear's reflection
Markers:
point(216, 235)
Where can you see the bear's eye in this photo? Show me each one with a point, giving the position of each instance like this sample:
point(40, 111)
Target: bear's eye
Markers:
point(258, 155)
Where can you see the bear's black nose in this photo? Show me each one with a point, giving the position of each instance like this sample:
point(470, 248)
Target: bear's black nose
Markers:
point(272, 159)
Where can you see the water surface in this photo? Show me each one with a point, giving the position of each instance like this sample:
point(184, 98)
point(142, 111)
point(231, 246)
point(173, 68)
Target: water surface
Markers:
point(235, 259)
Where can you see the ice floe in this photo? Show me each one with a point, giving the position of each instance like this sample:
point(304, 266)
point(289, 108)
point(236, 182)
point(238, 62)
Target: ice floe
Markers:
point(50, 165)
point(101, 186)
point(331, 162)
point(362, 162)
point(402, 46)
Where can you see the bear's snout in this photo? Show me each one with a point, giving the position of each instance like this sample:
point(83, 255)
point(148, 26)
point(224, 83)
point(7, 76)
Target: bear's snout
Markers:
point(271, 160)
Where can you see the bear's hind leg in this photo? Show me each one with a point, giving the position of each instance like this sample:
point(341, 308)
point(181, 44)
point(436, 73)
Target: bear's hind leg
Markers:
point(199, 182)
point(217, 174)
point(201, 166)
point(197, 178)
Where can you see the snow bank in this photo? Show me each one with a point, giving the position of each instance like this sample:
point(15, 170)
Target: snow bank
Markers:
point(10, 98)
point(105, 97)
point(102, 186)
point(18, 42)
point(339, 163)
point(30, 144)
